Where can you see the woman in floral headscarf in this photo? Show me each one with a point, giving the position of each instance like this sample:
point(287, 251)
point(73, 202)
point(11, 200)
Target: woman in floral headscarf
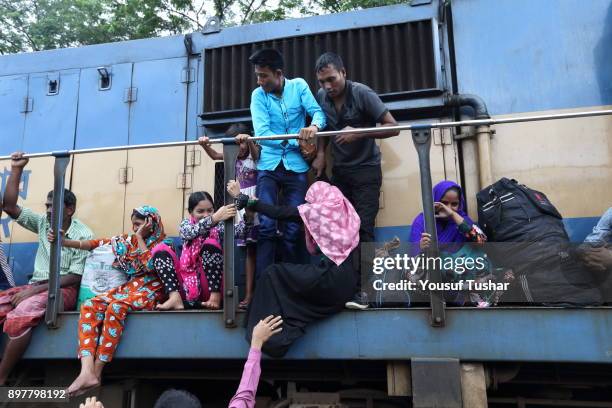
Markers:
point(145, 258)
point(305, 293)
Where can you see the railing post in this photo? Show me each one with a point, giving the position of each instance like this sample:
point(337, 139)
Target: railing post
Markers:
point(54, 295)
point(421, 137)
point(230, 290)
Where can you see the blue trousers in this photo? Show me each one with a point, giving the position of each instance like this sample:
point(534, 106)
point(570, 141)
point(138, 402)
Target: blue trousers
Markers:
point(293, 187)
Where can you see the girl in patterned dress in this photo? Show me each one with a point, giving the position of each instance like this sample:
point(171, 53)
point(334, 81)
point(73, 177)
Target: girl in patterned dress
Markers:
point(247, 222)
point(199, 276)
point(145, 258)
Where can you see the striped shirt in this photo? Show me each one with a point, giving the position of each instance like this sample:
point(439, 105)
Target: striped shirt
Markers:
point(6, 269)
point(73, 260)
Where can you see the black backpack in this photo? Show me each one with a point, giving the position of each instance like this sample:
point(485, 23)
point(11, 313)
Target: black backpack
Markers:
point(512, 212)
point(538, 245)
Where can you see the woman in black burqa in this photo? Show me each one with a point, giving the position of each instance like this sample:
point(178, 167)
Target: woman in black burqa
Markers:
point(303, 293)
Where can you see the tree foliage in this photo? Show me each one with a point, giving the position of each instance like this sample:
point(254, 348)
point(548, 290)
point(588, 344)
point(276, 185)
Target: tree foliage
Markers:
point(33, 25)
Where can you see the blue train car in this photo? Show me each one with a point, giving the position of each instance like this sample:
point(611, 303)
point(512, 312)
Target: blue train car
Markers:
point(521, 57)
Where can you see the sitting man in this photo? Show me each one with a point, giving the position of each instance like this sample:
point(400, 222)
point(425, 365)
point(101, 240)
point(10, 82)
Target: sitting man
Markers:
point(597, 253)
point(6, 276)
point(22, 307)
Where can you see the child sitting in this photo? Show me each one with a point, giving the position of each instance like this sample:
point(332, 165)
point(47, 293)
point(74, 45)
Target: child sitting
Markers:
point(246, 173)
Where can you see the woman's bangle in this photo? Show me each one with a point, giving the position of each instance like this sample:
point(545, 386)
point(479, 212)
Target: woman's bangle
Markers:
point(80, 245)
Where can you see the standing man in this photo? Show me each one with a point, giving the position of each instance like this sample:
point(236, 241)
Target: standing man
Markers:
point(356, 167)
point(22, 307)
point(279, 106)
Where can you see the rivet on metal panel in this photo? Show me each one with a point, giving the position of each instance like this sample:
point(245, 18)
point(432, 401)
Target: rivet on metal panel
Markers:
point(437, 137)
point(187, 75)
point(125, 175)
point(447, 137)
point(130, 94)
point(194, 158)
point(28, 105)
point(184, 181)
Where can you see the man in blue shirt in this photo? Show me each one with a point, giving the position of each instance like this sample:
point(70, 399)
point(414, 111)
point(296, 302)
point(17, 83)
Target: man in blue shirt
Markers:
point(279, 106)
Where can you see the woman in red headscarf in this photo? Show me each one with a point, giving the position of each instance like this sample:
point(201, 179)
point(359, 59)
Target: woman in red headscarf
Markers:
point(305, 293)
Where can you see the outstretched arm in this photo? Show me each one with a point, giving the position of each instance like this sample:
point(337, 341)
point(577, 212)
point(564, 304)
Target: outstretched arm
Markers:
point(212, 153)
point(12, 185)
point(245, 396)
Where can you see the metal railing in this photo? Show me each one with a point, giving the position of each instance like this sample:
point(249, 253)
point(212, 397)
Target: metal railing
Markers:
point(421, 136)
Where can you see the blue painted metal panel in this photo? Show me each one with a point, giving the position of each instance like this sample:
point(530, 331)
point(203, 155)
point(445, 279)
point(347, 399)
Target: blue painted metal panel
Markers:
point(21, 256)
point(93, 56)
point(523, 56)
point(559, 335)
point(158, 114)
point(13, 91)
point(51, 124)
point(579, 228)
point(194, 102)
point(103, 115)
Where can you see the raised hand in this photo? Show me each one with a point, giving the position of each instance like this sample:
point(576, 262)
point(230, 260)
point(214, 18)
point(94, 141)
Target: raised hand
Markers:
point(18, 161)
point(265, 329)
point(233, 188)
point(224, 213)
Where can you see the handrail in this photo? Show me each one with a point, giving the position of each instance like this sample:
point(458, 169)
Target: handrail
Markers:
point(327, 133)
point(421, 135)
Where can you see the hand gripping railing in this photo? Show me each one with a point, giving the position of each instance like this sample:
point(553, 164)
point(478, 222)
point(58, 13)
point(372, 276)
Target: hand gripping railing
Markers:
point(421, 136)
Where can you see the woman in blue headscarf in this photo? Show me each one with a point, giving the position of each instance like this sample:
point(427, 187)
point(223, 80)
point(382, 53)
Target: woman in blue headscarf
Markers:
point(453, 225)
point(455, 229)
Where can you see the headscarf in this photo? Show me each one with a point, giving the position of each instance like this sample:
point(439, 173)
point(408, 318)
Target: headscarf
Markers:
point(129, 257)
point(331, 222)
point(447, 230)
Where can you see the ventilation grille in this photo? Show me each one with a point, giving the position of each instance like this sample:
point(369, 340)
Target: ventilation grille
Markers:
point(392, 60)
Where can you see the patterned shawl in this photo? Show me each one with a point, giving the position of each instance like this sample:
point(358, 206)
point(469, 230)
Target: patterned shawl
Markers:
point(129, 257)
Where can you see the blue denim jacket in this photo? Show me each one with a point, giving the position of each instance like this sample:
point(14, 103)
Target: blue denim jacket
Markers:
point(602, 232)
point(278, 116)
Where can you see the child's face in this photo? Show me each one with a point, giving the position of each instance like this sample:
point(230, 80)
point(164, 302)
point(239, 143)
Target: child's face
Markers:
point(243, 150)
point(203, 209)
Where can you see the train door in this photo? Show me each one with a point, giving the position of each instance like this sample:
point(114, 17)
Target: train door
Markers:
point(158, 114)
point(99, 178)
point(13, 96)
point(50, 95)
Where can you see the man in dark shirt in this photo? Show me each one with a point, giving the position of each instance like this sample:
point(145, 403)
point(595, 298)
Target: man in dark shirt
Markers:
point(356, 169)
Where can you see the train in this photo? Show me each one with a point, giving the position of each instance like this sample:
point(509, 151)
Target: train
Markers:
point(431, 61)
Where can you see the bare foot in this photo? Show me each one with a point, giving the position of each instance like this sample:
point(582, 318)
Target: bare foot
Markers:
point(83, 383)
point(174, 302)
point(244, 304)
point(214, 302)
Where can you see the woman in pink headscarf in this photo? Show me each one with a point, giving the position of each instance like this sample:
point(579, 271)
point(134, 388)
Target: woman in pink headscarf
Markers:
point(305, 293)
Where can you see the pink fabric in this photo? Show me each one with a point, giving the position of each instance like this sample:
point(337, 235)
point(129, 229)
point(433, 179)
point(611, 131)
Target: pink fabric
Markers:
point(245, 396)
point(163, 247)
point(191, 271)
point(18, 320)
point(331, 222)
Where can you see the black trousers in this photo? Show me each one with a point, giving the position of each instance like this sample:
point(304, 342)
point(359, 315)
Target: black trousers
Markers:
point(361, 186)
